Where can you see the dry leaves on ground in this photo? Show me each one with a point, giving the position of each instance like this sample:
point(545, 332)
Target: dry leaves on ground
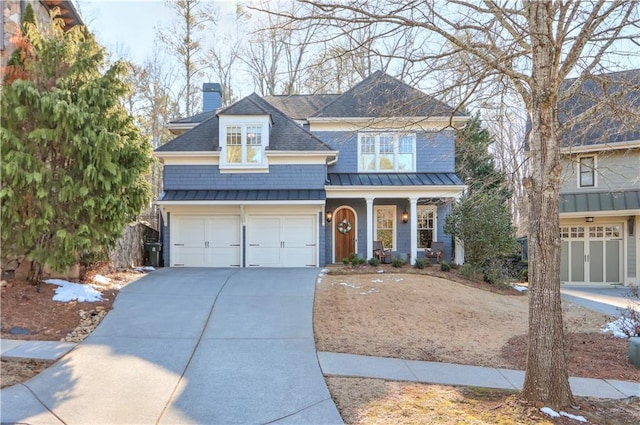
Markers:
point(423, 317)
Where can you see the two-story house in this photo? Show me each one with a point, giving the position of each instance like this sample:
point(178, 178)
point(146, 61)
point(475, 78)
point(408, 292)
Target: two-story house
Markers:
point(294, 181)
point(600, 186)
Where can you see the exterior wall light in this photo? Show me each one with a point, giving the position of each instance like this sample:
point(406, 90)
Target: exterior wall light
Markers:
point(329, 216)
point(405, 216)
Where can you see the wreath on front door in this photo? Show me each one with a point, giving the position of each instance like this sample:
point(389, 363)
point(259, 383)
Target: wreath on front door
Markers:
point(344, 226)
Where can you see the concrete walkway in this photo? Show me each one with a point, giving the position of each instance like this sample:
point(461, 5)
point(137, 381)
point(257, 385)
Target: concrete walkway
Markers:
point(453, 374)
point(189, 346)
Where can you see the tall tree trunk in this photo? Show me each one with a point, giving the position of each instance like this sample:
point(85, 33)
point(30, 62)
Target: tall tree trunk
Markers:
point(546, 377)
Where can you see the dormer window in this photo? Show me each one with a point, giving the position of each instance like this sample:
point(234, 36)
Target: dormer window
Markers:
point(244, 145)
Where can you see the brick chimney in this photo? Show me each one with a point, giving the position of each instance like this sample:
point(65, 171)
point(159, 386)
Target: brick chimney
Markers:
point(211, 96)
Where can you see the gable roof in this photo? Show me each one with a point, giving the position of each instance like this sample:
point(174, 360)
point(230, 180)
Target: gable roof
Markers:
point(614, 101)
point(381, 95)
point(285, 134)
point(250, 105)
point(301, 106)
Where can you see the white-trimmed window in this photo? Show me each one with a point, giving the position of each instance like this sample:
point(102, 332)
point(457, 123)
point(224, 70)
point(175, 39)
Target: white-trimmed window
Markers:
point(243, 145)
point(386, 152)
point(426, 225)
point(587, 171)
point(385, 225)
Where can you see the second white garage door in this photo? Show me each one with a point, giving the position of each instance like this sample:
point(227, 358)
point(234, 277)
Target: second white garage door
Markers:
point(281, 241)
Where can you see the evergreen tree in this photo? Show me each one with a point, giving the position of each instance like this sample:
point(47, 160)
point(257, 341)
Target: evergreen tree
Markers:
point(73, 162)
point(481, 217)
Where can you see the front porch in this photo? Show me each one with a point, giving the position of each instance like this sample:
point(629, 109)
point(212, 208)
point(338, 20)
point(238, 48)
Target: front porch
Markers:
point(405, 225)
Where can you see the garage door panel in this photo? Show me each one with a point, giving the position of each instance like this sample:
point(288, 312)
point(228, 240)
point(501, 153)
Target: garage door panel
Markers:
point(299, 257)
point(224, 257)
point(224, 232)
point(190, 231)
point(184, 256)
point(264, 257)
point(613, 261)
point(299, 231)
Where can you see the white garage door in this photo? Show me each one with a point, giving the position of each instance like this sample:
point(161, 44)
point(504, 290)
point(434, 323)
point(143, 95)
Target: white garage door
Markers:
point(205, 241)
point(281, 241)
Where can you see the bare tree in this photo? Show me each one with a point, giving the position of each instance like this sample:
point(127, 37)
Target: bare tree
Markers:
point(531, 47)
point(183, 39)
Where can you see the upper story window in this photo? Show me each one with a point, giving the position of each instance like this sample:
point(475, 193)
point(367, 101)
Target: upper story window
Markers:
point(386, 152)
point(587, 171)
point(243, 145)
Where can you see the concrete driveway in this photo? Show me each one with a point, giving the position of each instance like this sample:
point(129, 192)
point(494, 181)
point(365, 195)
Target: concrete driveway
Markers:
point(208, 346)
point(607, 300)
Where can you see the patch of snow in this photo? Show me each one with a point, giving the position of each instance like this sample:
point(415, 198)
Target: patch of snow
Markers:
point(398, 279)
point(69, 291)
point(324, 271)
point(144, 269)
point(617, 327)
point(376, 281)
point(350, 285)
point(370, 291)
point(520, 288)
point(549, 411)
point(380, 271)
point(101, 279)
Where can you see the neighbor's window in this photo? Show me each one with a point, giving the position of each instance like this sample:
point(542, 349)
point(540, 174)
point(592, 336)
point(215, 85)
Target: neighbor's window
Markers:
point(386, 152)
point(244, 145)
point(426, 226)
point(385, 225)
point(587, 171)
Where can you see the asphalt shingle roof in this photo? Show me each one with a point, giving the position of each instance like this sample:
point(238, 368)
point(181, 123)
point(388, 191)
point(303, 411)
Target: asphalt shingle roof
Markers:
point(302, 106)
point(381, 95)
point(394, 179)
point(285, 134)
point(194, 119)
point(245, 195)
point(618, 113)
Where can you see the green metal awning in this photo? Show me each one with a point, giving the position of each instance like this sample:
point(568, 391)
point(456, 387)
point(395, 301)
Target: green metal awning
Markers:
point(600, 201)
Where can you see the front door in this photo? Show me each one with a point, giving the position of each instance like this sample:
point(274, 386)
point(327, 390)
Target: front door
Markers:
point(344, 230)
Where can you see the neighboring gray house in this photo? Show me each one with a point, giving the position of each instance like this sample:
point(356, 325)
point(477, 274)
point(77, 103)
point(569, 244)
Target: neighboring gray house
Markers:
point(291, 181)
point(600, 187)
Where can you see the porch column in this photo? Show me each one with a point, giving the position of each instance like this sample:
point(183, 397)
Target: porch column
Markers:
point(369, 252)
point(413, 219)
point(459, 256)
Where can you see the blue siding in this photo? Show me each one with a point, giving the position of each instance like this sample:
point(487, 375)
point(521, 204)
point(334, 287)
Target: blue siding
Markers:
point(208, 177)
point(321, 240)
point(435, 151)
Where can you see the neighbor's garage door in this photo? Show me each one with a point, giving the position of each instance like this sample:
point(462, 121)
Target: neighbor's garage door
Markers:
point(281, 241)
point(205, 241)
